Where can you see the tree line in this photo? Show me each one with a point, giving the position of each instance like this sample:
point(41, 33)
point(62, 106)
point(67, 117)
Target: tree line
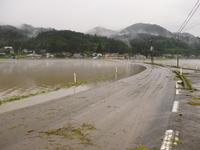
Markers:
point(74, 42)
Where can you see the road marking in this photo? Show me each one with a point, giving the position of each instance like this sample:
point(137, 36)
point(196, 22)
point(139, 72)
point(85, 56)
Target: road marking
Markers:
point(167, 143)
point(176, 138)
point(170, 140)
point(175, 106)
point(178, 87)
point(178, 91)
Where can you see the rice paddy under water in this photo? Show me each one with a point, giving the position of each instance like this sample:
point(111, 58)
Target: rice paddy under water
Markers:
point(32, 77)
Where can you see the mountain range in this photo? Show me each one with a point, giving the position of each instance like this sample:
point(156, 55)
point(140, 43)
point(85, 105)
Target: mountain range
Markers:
point(134, 39)
point(136, 30)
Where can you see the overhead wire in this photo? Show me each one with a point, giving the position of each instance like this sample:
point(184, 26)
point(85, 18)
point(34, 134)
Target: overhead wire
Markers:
point(189, 17)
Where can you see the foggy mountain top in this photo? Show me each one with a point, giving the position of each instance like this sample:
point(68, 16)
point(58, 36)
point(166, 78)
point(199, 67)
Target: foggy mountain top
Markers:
point(129, 32)
point(81, 16)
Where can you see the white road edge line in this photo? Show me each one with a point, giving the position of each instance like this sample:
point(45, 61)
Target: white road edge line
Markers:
point(176, 138)
point(175, 106)
point(178, 87)
point(167, 143)
point(170, 140)
point(178, 91)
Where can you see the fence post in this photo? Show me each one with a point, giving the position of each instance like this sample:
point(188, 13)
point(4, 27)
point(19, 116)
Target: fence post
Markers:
point(116, 71)
point(75, 79)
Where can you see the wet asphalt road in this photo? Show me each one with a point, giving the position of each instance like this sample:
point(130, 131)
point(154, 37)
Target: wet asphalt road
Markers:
point(126, 113)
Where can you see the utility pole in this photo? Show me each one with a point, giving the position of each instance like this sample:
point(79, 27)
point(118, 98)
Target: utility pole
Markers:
point(151, 50)
point(177, 61)
point(177, 56)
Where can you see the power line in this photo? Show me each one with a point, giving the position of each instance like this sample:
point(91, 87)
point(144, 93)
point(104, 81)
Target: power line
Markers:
point(190, 15)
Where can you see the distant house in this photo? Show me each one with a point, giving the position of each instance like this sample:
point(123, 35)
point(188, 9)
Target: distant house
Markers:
point(77, 55)
point(26, 51)
point(8, 47)
point(94, 54)
point(139, 57)
point(115, 56)
point(2, 54)
point(48, 55)
point(66, 54)
point(97, 56)
point(33, 55)
point(9, 50)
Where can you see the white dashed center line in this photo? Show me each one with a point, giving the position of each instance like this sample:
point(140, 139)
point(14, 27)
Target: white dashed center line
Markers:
point(175, 106)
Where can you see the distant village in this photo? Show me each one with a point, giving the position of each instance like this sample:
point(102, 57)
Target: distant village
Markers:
point(10, 53)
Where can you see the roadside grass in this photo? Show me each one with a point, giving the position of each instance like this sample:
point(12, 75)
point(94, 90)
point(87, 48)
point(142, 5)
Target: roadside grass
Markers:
point(179, 142)
point(175, 78)
point(72, 133)
point(193, 103)
point(141, 147)
point(196, 98)
point(13, 127)
point(68, 85)
point(187, 84)
point(21, 97)
point(17, 98)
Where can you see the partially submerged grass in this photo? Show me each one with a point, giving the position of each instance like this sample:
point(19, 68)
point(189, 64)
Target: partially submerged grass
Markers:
point(13, 127)
point(141, 147)
point(20, 97)
point(192, 103)
point(67, 85)
point(179, 142)
point(195, 101)
point(71, 133)
point(187, 84)
point(86, 126)
point(196, 98)
point(17, 98)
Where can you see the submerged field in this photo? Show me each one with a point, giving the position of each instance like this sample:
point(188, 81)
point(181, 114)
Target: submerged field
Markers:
point(23, 78)
point(185, 63)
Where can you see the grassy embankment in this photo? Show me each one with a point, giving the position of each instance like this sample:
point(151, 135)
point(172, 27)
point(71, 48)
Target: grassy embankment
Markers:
point(187, 84)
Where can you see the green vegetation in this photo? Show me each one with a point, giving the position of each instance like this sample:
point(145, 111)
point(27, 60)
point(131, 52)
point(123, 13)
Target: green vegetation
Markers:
point(187, 84)
point(162, 46)
point(141, 147)
point(17, 98)
point(72, 133)
point(61, 42)
point(195, 101)
point(178, 142)
point(192, 103)
point(196, 98)
point(68, 85)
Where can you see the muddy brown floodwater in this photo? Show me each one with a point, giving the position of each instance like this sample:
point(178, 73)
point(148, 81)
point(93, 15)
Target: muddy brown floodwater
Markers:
point(22, 77)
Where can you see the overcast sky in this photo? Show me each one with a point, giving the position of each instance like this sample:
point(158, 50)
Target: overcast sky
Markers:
point(82, 15)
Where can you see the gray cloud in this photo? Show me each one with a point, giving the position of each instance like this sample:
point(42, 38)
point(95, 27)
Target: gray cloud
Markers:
point(82, 15)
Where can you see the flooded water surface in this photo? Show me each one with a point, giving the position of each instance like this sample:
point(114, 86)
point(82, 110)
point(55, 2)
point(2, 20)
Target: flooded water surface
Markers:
point(22, 77)
point(185, 63)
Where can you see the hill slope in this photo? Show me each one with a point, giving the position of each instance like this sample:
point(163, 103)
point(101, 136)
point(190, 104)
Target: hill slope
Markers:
point(100, 31)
